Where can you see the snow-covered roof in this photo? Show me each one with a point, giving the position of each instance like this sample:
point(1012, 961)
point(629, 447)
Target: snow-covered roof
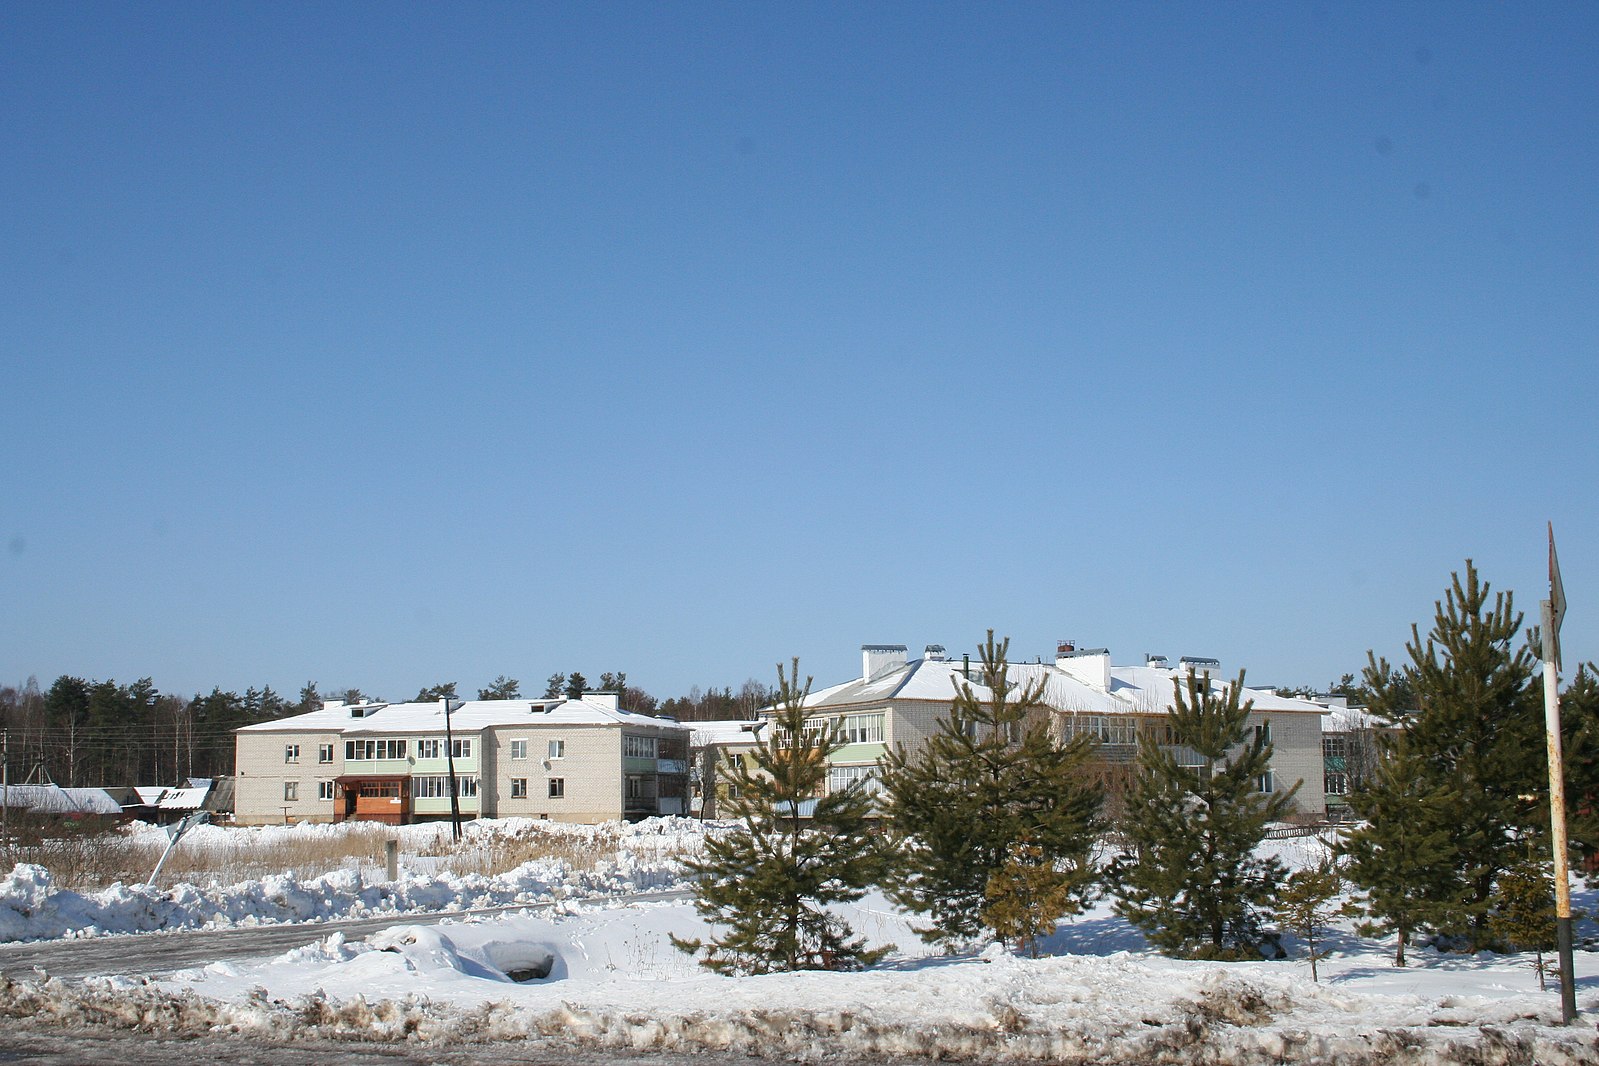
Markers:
point(149, 795)
point(1350, 719)
point(724, 732)
point(183, 799)
point(920, 679)
point(1150, 691)
point(57, 800)
point(470, 717)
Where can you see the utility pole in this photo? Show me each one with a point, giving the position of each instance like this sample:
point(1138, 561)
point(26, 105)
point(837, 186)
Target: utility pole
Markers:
point(449, 742)
point(1552, 613)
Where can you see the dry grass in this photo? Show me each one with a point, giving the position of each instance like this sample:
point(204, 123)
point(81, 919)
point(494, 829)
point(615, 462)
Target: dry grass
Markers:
point(85, 859)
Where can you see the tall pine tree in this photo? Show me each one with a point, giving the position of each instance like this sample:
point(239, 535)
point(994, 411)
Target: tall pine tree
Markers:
point(992, 775)
point(768, 884)
point(1472, 719)
point(1191, 879)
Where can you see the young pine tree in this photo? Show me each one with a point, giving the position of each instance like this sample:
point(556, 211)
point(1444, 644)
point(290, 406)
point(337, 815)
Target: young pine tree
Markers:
point(1306, 904)
point(1027, 896)
point(1523, 916)
point(768, 884)
point(1403, 856)
point(1476, 730)
point(1191, 879)
point(991, 775)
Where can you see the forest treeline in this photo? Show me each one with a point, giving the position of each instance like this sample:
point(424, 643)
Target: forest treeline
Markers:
point(81, 732)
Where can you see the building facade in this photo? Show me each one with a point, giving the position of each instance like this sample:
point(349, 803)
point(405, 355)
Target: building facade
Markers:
point(583, 760)
point(900, 701)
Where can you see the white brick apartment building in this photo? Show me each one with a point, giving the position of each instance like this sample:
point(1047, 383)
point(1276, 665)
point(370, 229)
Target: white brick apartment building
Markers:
point(584, 760)
point(898, 700)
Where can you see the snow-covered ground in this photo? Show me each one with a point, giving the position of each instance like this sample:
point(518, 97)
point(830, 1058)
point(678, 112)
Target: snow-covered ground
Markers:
point(612, 979)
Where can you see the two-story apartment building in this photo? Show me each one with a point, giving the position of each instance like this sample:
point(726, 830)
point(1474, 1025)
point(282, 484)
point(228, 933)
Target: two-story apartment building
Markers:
point(583, 760)
point(899, 701)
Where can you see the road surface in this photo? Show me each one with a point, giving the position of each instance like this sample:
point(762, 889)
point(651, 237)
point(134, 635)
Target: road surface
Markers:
point(157, 953)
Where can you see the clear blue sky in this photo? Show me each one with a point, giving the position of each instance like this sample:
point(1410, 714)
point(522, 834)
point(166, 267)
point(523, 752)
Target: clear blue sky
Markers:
point(389, 344)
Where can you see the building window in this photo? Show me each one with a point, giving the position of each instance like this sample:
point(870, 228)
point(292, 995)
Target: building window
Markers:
point(368, 750)
point(324, 790)
point(1263, 735)
point(429, 749)
point(635, 747)
point(291, 753)
point(437, 786)
point(1337, 784)
point(291, 792)
point(518, 788)
point(557, 787)
point(461, 747)
point(324, 753)
point(861, 729)
point(518, 749)
point(840, 778)
point(1334, 747)
point(1267, 782)
point(557, 749)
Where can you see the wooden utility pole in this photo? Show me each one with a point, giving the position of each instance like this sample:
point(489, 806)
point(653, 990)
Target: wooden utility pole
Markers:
point(1553, 612)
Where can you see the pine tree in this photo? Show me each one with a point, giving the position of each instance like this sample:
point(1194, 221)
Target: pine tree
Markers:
point(576, 685)
point(1028, 896)
point(768, 884)
point(435, 693)
point(1191, 879)
point(1306, 904)
point(1579, 728)
point(990, 776)
point(1476, 730)
point(1403, 857)
point(555, 686)
point(501, 688)
point(1523, 915)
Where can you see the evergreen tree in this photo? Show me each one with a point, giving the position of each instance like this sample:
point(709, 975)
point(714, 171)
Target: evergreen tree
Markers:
point(576, 685)
point(1476, 730)
point(990, 776)
point(1027, 896)
point(1402, 857)
point(555, 686)
point(768, 884)
point(1305, 905)
point(435, 693)
point(501, 688)
point(1579, 729)
point(1192, 880)
point(1523, 916)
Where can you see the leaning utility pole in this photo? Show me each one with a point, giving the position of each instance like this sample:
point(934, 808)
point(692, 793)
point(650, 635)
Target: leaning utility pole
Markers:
point(449, 740)
point(1553, 612)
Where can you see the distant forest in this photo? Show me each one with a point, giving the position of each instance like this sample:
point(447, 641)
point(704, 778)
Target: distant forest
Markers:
point(100, 733)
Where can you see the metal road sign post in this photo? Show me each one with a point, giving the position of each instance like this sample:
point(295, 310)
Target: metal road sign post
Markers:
point(1553, 613)
point(175, 833)
point(451, 704)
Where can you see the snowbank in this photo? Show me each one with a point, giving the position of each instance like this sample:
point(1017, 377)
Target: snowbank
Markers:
point(32, 908)
point(611, 981)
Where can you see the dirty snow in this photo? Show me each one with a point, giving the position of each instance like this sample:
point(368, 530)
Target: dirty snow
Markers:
point(607, 976)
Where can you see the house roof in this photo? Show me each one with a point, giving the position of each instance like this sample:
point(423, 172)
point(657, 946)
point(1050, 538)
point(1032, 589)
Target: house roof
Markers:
point(724, 732)
point(471, 716)
point(58, 800)
point(920, 679)
point(1149, 689)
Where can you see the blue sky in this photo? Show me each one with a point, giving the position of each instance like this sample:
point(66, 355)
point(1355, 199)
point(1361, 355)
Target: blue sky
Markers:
point(384, 345)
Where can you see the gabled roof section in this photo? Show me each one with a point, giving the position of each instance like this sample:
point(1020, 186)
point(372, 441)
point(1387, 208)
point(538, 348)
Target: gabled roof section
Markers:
point(936, 680)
